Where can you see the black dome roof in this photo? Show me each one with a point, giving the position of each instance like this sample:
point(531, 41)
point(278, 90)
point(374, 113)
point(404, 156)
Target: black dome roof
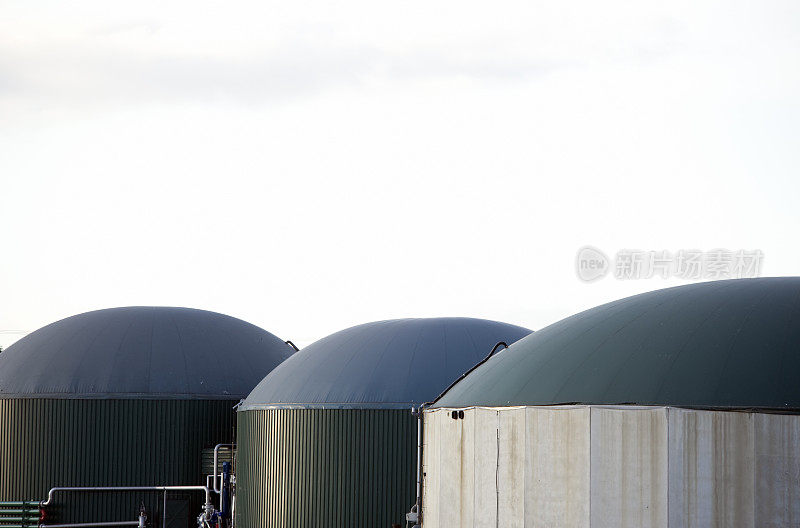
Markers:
point(724, 344)
point(141, 352)
point(385, 364)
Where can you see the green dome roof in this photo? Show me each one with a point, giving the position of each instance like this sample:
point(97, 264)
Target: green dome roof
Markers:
point(723, 344)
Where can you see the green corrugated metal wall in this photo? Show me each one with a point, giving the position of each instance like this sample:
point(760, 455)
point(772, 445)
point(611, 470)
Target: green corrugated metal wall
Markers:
point(84, 442)
point(304, 468)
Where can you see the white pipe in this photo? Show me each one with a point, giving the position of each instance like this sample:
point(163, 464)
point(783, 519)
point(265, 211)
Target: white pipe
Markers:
point(216, 453)
point(93, 524)
point(129, 488)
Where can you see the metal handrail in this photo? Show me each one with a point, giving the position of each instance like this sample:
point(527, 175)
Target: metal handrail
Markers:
point(53, 491)
point(216, 454)
point(91, 524)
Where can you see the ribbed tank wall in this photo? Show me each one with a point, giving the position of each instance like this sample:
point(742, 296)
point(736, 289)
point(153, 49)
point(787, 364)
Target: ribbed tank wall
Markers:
point(46, 443)
point(304, 468)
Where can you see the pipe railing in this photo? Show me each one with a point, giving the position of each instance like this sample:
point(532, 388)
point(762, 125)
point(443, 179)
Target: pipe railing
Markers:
point(216, 455)
point(53, 491)
point(92, 524)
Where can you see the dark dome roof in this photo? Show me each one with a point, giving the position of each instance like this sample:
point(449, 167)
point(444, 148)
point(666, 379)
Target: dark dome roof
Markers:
point(386, 364)
point(724, 344)
point(141, 352)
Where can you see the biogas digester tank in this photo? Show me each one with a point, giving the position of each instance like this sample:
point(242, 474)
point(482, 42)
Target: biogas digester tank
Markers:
point(328, 439)
point(677, 407)
point(124, 397)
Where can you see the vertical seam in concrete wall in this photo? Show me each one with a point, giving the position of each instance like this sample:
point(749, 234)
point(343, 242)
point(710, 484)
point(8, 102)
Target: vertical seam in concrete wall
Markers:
point(524, 461)
point(497, 475)
point(669, 477)
point(474, 454)
point(591, 411)
point(752, 432)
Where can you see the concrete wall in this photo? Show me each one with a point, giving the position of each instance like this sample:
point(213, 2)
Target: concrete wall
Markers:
point(593, 466)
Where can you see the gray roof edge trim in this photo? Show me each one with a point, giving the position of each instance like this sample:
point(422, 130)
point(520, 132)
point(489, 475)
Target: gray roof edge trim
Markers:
point(643, 405)
point(120, 396)
point(328, 405)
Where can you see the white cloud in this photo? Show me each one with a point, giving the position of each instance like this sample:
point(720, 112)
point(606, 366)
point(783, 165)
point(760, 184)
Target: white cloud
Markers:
point(155, 53)
point(309, 166)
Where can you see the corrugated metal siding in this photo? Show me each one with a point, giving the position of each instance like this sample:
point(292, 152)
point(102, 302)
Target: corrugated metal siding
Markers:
point(304, 468)
point(50, 442)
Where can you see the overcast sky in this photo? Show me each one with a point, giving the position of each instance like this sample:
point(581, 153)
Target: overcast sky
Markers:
point(308, 166)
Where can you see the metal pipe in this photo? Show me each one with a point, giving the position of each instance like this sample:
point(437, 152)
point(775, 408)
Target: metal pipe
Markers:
point(224, 496)
point(419, 457)
point(91, 525)
point(26, 509)
point(216, 453)
point(129, 488)
point(415, 515)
